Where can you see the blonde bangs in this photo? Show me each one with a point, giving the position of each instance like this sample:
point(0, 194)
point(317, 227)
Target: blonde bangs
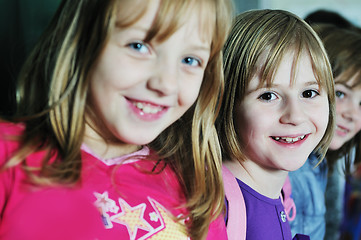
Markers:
point(171, 15)
point(129, 12)
point(177, 13)
point(298, 39)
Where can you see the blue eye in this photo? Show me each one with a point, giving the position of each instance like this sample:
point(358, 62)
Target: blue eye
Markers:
point(139, 46)
point(340, 94)
point(310, 94)
point(191, 61)
point(267, 96)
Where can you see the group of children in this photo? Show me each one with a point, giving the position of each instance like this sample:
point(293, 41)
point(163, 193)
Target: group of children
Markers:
point(134, 116)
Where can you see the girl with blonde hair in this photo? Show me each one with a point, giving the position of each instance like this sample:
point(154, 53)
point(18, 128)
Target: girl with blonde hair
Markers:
point(116, 108)
point(277, 109)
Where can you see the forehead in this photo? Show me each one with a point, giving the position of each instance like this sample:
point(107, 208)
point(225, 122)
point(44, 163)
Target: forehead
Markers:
point(163, 18)
point(289, 68)
point(349, 79)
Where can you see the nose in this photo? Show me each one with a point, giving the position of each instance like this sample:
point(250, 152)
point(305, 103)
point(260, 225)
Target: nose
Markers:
point(351, 111)
point(293, 113)
point(164, 79)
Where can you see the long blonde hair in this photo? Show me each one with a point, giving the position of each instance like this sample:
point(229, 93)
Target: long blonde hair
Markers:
point(53, 91)
point(201, 177)
point(274, 33)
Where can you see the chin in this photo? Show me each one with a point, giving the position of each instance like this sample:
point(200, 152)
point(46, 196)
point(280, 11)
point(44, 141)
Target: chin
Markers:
point(296, 165)
point(335, 146)
point(137, 140)
point(292, 169)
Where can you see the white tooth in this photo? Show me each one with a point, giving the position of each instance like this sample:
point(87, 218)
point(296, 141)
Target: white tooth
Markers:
point(154, 110)
point(147, 109)
point(288, 139)
point(140, 105)
point(295, 139)
point(277, 138)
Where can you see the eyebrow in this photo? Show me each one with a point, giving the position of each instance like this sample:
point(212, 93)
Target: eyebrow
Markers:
point(309, 83)
point(200, 47)
point(313, 82)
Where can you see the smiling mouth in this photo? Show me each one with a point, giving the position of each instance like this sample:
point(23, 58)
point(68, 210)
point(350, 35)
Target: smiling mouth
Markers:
point(342, 129)
point(288, 139)
point(147, 108)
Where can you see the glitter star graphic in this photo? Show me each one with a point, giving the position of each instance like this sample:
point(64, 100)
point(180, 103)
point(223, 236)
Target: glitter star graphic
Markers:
point(170, 229)
point(104, 203)
point(132, 218)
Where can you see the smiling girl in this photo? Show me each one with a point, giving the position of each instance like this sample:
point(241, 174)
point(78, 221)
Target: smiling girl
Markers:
point(116, 110)
point(277, 109)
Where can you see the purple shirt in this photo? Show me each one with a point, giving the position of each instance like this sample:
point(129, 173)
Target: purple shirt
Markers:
point(266, 217)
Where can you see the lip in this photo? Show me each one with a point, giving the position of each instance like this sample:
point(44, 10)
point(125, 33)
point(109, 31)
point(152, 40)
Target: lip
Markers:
point(341, 130)
point(301, 138)
point(146, 115)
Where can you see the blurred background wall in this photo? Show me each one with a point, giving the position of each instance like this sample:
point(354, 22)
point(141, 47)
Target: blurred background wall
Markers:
point(22, 22)
point(350, 9)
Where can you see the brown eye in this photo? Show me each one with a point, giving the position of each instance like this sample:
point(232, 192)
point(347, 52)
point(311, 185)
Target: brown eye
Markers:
point(267, 96)
point(310, 94)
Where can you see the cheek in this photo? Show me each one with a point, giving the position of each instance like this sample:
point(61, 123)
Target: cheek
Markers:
point(321, 114)
point(358, 123)
point(250, 124)
point(189, 92)
point(100, 92)
point(322, 119)
point(339, 107)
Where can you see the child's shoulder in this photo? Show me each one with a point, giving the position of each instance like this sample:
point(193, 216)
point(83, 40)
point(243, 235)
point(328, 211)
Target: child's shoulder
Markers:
point(9, 138)
point(10, 129)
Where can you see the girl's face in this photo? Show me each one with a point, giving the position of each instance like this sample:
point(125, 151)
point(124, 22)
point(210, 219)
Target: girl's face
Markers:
point(281, 125)
point(348, 112)
point(138, 89)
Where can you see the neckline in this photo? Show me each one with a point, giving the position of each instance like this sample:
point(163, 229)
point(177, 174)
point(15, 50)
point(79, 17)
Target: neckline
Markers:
point(127, 158)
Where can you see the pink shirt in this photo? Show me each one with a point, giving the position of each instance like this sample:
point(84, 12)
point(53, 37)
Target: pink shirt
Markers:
point(129, 202)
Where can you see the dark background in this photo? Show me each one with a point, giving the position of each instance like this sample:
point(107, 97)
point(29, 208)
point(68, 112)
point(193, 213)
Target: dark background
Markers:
point(21, 24)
